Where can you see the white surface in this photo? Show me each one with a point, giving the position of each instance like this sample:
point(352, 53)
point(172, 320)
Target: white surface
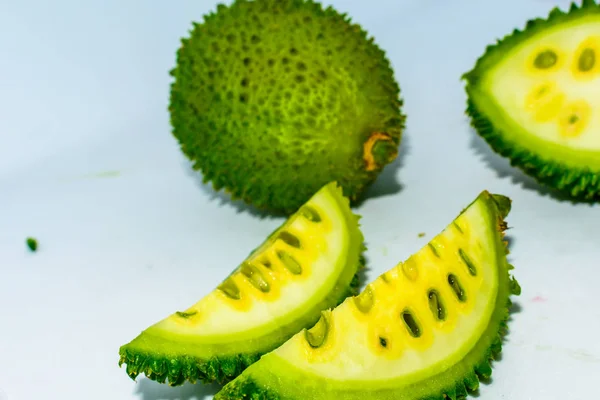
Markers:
point(84, 91)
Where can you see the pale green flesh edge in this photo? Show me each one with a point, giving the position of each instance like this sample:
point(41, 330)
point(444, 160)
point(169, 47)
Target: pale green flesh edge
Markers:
point(293, 383)
point(155, 339)
point(513, 132)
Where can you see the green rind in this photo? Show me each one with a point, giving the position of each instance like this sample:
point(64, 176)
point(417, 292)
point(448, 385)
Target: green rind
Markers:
point(275, 379)
point(166, 360)
point(276, 162)
point(574, 172)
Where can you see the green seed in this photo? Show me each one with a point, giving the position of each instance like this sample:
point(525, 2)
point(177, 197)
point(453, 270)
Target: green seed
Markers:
point(316, 335)
point(546, 59)
point(468, 262)
point(458, 228)
point(411, 324)
point(364, 301)
point(290, 262)
point(255, 277)
point(186, 315)
point(289, 239)
point(436, 306)
point(587, 60)
point(230, 289)
point(310, 214)
point(458, 290)
point(434, 250)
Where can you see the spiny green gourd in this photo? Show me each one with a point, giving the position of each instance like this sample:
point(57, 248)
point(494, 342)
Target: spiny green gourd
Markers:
point(426, 329)
point(535, 98)
point(310, 263)
point(272, 99)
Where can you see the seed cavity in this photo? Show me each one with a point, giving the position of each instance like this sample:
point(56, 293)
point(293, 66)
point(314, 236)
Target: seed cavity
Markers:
point(574, 118)
point(310, 214)
point(317, 335)
point(470, 265)
point(545, 59)
point(383, 342)
point(457, 288)
point(549, 107)
point(436, 305)
point(186, 315)
point(411, 324)
point(364, 301)
point(289, 239)
point(587, 60)
point(458, 228)
point(409, 269)
point(255, 277)
point(290, 262)
point(230, 289)
point(384, 277)
point(433, 249)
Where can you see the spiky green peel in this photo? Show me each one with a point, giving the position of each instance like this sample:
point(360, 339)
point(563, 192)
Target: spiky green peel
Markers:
point(405, 368)
point(565, 162)
point(272, 99)
point(251, 314)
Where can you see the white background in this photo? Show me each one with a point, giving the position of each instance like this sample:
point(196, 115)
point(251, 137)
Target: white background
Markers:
point(128, 234)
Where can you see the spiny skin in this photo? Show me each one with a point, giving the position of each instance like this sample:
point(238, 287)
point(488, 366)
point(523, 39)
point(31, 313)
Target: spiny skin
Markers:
point(580, 183)
point(329, 249)
point(454, 383)
point(272, 99)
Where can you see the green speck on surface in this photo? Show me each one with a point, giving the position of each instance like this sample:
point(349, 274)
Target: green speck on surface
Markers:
point(421, 234)
point(32, 244)
point(106, 174)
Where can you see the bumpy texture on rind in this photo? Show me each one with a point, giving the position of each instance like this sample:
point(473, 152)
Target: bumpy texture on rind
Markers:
point(576, 181)
point(272, 99)
point(167, 360)
point(454, 383)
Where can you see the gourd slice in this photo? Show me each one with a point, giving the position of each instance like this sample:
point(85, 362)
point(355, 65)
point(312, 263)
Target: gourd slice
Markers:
point(426, 329)
point(535, 98)
point(307, 265)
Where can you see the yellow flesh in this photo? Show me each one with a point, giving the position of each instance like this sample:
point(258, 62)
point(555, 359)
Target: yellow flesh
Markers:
point(545, 102)
point(352, 349)
point(324, 246)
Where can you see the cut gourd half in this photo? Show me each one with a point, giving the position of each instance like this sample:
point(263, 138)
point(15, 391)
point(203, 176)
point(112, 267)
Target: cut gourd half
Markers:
point(308, 264)
point(426, 329)
point(535, 98)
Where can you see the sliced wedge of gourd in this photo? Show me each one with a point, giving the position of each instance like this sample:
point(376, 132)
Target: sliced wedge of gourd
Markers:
point(308, 264)
point(426, 329)
point(535, 98)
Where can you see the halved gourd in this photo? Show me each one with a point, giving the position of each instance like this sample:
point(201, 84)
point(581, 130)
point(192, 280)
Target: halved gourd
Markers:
point(534, 96)
point(426, 329)
point(307, 265)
